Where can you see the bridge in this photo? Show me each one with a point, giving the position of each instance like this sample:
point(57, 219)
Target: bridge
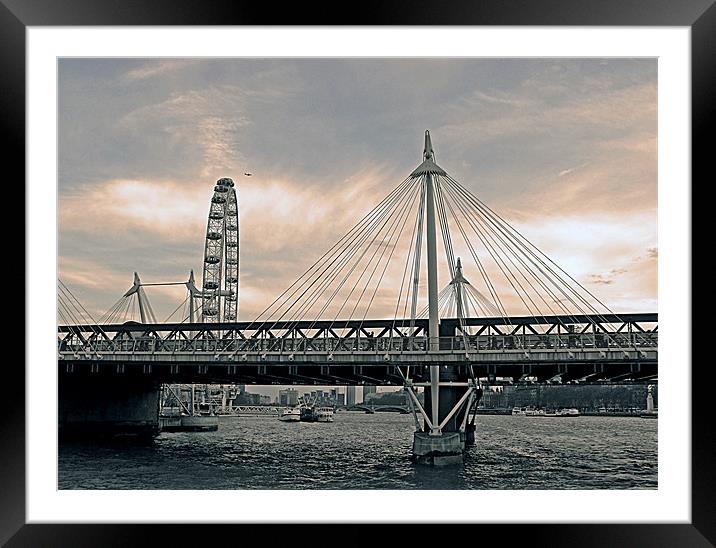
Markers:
point(524, 320)
point(377, 408)
point(254, 410)
point(544, 348)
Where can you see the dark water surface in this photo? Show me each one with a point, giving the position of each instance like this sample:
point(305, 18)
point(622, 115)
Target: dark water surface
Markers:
point(360, 451)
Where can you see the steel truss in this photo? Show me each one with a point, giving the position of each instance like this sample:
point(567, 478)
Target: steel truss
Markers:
point(496, 340)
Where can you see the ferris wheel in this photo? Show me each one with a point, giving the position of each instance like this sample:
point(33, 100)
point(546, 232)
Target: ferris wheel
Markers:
point(220, 282)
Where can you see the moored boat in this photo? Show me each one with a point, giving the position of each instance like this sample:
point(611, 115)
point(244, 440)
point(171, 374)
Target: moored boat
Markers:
point(289, 414)
point(324, 414)
point(530, 411)
point(189, 423)
point(570, 412)
point(316, 414)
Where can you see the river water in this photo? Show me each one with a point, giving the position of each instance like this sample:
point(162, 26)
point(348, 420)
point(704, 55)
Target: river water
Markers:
point(360, 451)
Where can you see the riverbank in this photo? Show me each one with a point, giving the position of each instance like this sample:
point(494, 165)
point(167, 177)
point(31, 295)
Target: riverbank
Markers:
point(582, 413)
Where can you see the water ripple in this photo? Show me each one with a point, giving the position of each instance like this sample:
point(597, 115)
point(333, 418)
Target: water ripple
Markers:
point(360, 451)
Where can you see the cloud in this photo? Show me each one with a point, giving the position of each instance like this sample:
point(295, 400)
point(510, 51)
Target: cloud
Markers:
point(158, 68)
point(608, 278)
point(564, 149)
point(284, 226)
point(571, 170)
point(607, 131)
point(89, 274)
point(204, 123)
point(610, 109)
point(479, 97)
point(122, 208)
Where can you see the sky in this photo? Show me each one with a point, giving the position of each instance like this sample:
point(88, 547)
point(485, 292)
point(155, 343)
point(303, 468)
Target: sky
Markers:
point(565, 149)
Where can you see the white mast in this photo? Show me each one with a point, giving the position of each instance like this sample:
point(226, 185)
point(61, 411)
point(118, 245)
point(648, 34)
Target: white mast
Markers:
point(433, 312)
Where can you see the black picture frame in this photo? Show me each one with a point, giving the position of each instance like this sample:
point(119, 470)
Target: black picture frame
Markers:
point(17, 15)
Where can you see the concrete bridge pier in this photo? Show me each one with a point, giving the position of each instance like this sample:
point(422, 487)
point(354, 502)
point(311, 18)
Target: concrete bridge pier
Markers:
point(448, 446)
point(90, 407)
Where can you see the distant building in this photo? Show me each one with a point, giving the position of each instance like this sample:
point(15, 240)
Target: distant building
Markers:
point(350, 395)
point(322, 398)
point(394, 397)
point(367, 393)
point(246, 398)
point(289, 396)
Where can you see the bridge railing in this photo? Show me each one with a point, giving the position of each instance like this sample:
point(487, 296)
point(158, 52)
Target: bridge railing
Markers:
point(175, 342)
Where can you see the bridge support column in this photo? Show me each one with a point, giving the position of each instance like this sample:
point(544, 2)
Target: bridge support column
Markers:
point(107, 406)
point(446, 447)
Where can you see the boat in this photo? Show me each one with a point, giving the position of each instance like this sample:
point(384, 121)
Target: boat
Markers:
point(324, 414)
point(530, 411)
point(569, 412)
point(310, 411)
point(316, 414)
point(289, 414)
point(199, 423)
point(191, 417)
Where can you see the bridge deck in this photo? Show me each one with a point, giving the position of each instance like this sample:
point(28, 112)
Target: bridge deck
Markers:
point(625, 347)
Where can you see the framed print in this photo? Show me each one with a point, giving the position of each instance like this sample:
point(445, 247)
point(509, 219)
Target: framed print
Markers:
point(257, 322)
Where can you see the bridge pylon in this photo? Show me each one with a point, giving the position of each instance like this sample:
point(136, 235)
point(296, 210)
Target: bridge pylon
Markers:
point(450, 393)
point(146, 313)
point(194, 294)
